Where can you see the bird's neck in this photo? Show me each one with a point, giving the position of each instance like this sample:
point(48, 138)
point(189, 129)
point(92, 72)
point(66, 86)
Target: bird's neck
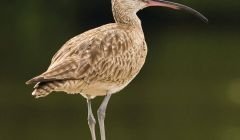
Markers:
point(125, 16)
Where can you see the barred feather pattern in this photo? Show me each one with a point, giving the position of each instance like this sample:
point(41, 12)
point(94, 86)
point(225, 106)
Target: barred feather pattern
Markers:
point(98, 62)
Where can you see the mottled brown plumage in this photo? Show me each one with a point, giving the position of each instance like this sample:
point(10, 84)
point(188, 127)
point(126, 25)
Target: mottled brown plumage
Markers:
point(101, 61)
point(97, 62)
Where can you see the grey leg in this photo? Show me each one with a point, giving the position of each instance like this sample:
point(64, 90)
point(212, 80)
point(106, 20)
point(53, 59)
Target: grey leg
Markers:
point(101, 115)
point(91, 120)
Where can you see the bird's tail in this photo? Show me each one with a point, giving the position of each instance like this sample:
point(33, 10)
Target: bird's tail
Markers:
point(42, 89)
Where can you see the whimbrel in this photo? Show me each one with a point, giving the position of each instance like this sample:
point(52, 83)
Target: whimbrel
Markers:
point(102, 61)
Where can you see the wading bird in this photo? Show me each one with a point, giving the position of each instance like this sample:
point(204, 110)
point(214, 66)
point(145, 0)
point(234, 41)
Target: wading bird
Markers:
point(102, 61)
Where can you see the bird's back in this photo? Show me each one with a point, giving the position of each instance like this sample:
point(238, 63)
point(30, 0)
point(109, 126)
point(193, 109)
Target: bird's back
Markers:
point(100, 61)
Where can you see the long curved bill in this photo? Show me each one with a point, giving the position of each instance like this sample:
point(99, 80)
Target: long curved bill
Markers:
point(177, 6)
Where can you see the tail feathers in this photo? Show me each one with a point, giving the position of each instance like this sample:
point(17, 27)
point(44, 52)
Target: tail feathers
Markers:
point(42, 89)
point(40, 93)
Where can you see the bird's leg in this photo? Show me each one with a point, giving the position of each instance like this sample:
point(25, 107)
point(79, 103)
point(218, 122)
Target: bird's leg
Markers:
point(91, 120)
point(101, 115)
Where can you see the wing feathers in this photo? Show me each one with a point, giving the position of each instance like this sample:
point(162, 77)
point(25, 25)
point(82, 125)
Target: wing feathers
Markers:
point(79, 58)
point(62, 71)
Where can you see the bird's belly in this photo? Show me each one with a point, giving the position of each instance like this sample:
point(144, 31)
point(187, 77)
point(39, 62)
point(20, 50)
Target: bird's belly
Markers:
point(102, 88)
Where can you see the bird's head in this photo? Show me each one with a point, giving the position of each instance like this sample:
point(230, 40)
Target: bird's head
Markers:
point(136, 5)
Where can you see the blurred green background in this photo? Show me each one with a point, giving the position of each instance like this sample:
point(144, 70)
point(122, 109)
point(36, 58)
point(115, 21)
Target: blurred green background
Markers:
point(189, 88)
